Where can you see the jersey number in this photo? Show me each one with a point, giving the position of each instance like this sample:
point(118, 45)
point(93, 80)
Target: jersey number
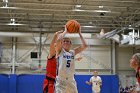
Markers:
point(68, 63)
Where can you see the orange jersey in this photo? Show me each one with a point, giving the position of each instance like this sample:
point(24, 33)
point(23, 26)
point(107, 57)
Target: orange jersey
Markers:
point(48, 85)
point(51, 67)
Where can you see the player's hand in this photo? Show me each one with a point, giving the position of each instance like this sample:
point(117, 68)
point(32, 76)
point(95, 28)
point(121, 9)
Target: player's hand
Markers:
point(59, 32)
point(87, 82)
point(62, 34)
point(65, 31)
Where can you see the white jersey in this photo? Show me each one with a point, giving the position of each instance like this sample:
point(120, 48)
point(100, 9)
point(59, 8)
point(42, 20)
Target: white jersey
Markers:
point(66, 66)
point(65, 82)
point(96, 81)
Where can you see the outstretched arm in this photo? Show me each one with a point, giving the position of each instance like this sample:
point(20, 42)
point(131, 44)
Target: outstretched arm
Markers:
point(89, 83)
point(83, 46)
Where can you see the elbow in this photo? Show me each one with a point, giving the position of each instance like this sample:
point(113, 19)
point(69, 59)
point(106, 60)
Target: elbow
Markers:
point(85, 46)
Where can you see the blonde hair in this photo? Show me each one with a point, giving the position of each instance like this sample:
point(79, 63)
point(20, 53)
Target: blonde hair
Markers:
point(67, 38)
point(137, 56)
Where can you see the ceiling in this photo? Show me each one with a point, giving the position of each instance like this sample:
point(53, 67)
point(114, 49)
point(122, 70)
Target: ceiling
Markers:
point(49, 16)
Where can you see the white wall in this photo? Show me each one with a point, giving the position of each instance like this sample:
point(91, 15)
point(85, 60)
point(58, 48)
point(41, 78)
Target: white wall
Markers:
point(96, 56)
point(124, 55)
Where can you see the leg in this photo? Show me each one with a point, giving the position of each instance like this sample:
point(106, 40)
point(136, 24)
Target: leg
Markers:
point(72, 87)
point(60, 86)
point(51, 87)
point(45, 86)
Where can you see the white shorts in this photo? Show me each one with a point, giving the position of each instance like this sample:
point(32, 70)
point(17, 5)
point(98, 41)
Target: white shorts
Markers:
point(65, 86)
point(96, 89)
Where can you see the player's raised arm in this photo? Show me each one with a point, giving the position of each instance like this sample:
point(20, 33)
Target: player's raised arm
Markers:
point(83, 46)
point(59, 41)
point(52, 51)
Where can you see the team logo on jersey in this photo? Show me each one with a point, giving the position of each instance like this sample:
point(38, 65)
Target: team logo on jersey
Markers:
point(68, 56)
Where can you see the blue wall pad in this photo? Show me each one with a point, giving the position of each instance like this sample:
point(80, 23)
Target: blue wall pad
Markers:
point(28, 83)
point(12, 83)
point(4, 83)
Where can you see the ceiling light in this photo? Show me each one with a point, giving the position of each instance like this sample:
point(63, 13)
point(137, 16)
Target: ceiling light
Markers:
point(100, 11)
point(5, 1)
point(14, 24)
point(101, 6)
point(13, 34)
point(12, 20)
point(89, 26)
point(6, 7)
point(77, 6)
point(90, 23)
point(78, 10)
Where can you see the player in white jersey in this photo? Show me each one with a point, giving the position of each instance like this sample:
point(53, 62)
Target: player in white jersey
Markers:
point(96, 82)
point(65, 82)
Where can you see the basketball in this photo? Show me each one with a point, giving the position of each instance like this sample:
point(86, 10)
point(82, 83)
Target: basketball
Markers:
point(72, 26)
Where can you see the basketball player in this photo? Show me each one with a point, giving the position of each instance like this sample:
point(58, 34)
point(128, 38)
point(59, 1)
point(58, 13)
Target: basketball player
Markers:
point(48, 86)
point(135, 63)
point(96, 82)
point(65, 82)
